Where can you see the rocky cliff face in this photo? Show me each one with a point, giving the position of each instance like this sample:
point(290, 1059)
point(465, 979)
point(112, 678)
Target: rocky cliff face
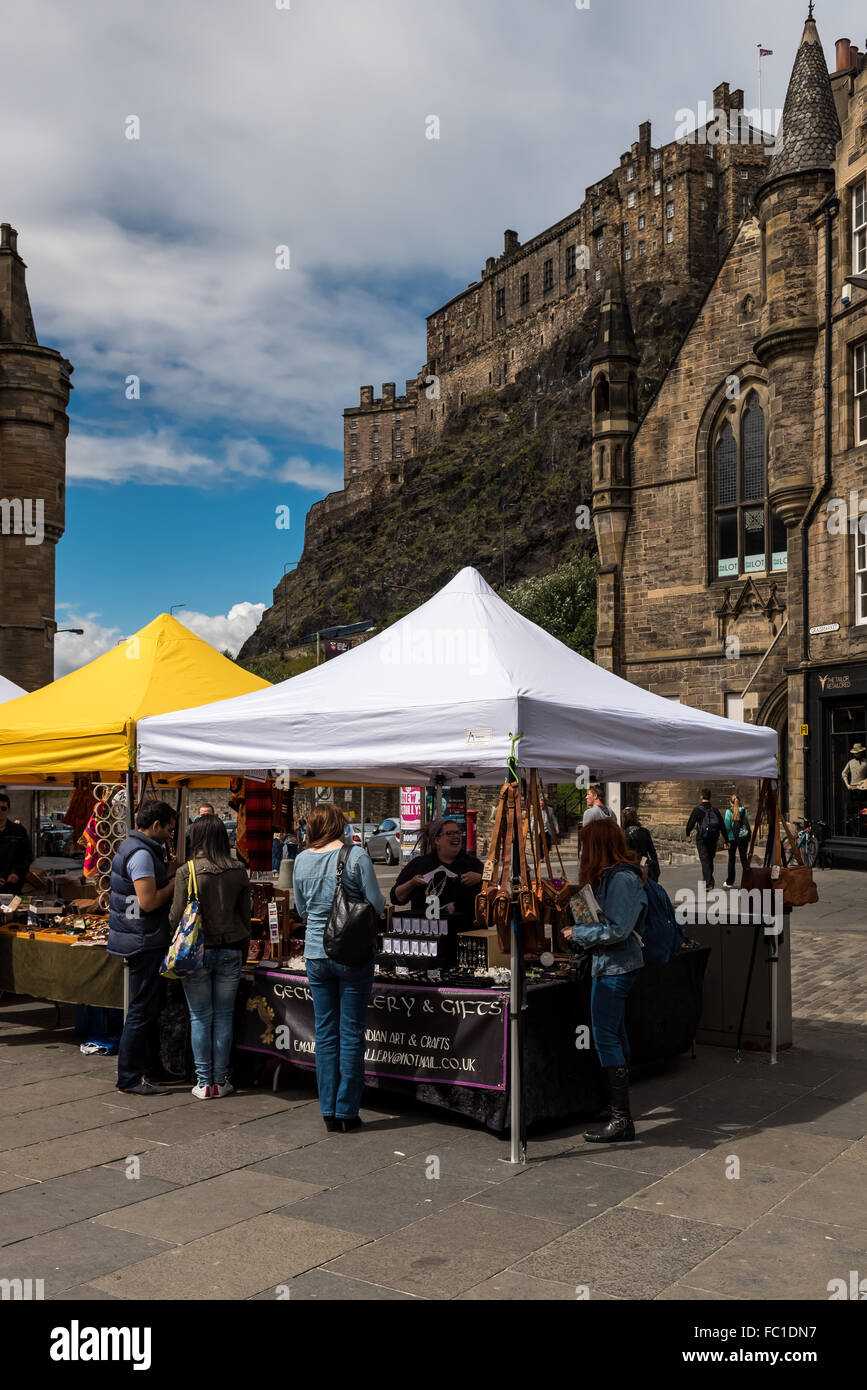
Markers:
point(498, 491)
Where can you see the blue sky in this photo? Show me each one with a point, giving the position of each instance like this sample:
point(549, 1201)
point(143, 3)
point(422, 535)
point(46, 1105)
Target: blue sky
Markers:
point(303, 127)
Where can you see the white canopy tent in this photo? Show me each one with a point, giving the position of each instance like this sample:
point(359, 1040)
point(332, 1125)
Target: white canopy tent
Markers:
point(439, 693)
point(8, 691)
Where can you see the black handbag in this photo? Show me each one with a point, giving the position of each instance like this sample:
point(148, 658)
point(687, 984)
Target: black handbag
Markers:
point(352, 928)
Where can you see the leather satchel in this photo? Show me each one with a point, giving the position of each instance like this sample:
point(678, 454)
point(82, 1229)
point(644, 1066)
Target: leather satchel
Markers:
point(352, 928)
point(795, 881)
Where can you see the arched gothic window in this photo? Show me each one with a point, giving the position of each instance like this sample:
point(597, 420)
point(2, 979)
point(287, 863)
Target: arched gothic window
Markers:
point(749, 538)
point(602, 400)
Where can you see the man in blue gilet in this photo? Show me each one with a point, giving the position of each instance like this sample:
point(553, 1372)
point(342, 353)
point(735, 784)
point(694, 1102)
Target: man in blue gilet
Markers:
point(142, 886)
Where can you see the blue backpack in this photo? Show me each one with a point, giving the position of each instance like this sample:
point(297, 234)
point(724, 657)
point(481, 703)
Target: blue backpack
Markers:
point(660, 931)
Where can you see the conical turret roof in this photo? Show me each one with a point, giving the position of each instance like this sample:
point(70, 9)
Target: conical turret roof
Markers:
point(810, 127)
point(615, 338)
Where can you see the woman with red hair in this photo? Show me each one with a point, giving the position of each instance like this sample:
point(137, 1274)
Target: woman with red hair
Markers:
point(611, 869)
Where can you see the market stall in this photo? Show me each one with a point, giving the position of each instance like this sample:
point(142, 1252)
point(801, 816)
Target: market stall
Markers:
point(8, 691)
point(439, 698)
point(82, 729)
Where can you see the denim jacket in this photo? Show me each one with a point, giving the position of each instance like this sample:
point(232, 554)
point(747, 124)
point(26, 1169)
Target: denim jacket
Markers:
point(623, 902)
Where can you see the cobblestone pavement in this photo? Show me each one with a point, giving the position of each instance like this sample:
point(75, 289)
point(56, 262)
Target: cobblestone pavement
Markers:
point(248, 1197)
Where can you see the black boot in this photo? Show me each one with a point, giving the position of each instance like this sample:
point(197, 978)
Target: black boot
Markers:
point(619, 1128)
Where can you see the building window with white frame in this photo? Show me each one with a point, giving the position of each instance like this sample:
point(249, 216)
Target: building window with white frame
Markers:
point(860, 364)
point(627, 254)
point(859, 227)
point(657, 160)
point(669, 236)
point(630, 173)
point(860, 578)
point(657, 187)
point(630, 200)
point(642, 222)
point(642, 247)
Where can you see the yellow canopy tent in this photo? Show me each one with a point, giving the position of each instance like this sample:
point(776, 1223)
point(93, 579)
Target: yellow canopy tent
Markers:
point(86, 721)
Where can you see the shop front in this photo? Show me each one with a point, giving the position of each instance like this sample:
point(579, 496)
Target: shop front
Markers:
point(837, 756)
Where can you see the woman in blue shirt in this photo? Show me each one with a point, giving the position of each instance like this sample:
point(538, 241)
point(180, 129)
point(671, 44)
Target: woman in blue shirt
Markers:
point(609, 866)
point(341, 993)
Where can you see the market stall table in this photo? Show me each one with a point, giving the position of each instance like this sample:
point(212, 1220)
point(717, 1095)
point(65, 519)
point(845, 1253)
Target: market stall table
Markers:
point(446, 1045)
point(50, 966)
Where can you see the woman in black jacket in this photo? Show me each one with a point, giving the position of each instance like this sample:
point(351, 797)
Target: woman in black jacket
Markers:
point(443, 868)
point(223, 888)
point(640, 841)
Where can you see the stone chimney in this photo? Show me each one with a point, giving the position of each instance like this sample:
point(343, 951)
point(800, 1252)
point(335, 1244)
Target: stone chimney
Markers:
point(511, 242)
point(367, 395)
point(644, 137)
point(388, 393)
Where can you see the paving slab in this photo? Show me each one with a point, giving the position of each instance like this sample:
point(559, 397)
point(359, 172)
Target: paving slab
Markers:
point(837, 1196)
point(83, 1293)
point(182, 1123)
point(465, 1160)
point(796, 1150)
point(569, 1190)
point(56, 1121)
point(703, 1188)
point(332, 1159)
point(630, 1254)
point(781, 1258)
point(47, 1206)
point(848, 1084)
point(206, 1157)
point(660, 1146)
point(523, 1288)
point(449, 1252)
point(820, 1115)
point(68, 1155)
point(731, 1104)
point(185, 1214)
point(238, 1262)
point(10, 1181)
point(73, 1255)
point(242, 1106)
point(18, 1100)
point(319, 1285)
point(382, 1201)
point(686, 1293)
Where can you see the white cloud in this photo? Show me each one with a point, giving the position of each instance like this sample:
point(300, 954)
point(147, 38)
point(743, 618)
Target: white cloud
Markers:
point(159, 456)
point(317, 476)
point(226, 632)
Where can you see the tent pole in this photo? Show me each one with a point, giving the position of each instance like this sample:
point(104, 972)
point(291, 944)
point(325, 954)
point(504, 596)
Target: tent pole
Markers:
point(130, 801)
point(362, 815)
point(517, 1154)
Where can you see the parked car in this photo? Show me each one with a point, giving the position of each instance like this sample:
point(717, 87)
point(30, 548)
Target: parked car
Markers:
point(231, 829)
point(384, 843)
point(354, 828)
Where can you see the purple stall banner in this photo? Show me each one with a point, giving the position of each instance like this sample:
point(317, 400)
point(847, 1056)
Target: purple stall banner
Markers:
point(454, 1037)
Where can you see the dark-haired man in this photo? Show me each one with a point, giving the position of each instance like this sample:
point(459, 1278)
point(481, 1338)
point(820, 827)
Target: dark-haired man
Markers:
point(138, 929)
point(708, 824)
point(16, 851)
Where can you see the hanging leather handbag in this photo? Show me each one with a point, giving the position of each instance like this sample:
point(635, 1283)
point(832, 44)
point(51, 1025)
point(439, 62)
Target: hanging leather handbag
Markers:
point(502, 907)
point(352, 928)
point(796, 880)
point(484, 914)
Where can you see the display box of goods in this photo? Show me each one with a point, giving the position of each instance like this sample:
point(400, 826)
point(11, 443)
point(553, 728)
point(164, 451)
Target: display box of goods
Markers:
point(495, 955)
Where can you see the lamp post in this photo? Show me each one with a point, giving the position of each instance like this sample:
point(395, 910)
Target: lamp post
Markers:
point(174, 606)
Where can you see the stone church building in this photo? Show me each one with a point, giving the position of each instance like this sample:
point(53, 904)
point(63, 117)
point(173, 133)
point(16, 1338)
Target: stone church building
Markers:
point(733, 563)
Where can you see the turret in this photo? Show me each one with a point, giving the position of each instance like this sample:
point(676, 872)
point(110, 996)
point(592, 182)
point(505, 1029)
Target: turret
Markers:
point(34, 393)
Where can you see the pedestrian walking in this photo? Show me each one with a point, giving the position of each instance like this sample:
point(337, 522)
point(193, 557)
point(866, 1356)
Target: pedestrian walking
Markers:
point(222, 887)
point(341, 993)
point(737, 834)
point(708, 825)
point(596, 808)
point(138, 930)
point(640, 841)
point(609, 867)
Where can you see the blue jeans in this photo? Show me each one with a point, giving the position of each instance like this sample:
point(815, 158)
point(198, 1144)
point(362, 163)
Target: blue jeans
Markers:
point(607, 1006)
point(341, 994)
point(211, 1001)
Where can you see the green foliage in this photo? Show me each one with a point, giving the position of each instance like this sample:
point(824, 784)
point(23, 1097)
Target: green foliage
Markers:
point(562, 602)
point(274, 668)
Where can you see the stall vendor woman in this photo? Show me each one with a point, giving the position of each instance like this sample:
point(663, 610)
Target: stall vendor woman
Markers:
point(443, 868)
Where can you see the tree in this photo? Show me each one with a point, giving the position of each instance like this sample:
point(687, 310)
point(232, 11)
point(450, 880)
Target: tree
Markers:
point(562, 602)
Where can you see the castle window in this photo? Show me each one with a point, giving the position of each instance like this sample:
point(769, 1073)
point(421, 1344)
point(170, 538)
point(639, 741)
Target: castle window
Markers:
point(525, 288)
point(597, 214)
point(602, 396)
point(669, 185)
point(744, 173)
point(398, 434)
point(375, 456)
point(657, 160)
point(353, 472)
point(642, 222)
point(657, 187)
point(860, 364)
point(397, 419)
point(600, 242)
point(669, 210)
point(630, 200)
point(669, 237)
point(353, 424)
point(708, 178)
point(398, 451)
point(353, 439)
point(501, 304)
point(431, 414)
point(548, 275)
point(859, 227)
point(630, 173)
point(376, 436)
point(463, 397)
point(627, 254)
point(749, 538)
point(642, 247)
point(353, 457)
point(745, 204)
point(599, 275)
point(570, 264)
